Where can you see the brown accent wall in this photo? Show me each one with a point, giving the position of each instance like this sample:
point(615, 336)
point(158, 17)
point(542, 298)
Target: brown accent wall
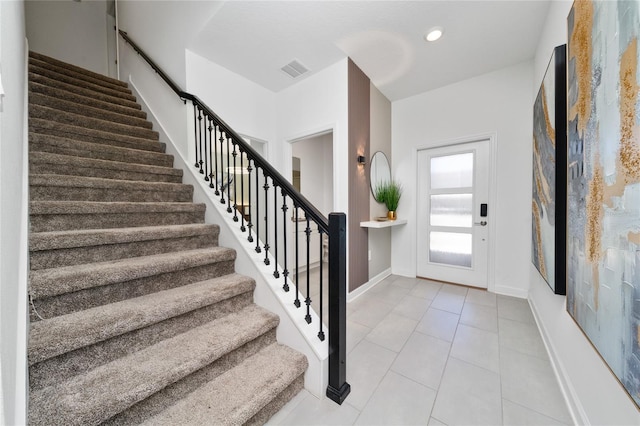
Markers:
point(358, 185)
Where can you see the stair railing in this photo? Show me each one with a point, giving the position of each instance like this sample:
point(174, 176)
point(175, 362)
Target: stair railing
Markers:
point(231, 166)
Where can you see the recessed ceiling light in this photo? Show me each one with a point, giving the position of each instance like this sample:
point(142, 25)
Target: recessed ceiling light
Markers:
point(434, 34)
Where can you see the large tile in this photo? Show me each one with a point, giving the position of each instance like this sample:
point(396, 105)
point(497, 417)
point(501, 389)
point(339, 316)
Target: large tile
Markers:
point(514, 309)
point(313, 411)
point(279, 417)
point(435, 422)
point(412, 307)
point(355, 333)
point(522, 337)
point(405, 282)
point(450, 298)
point(392, 332)
point(423, 359)
point(481, 297)
point(371, 311)
point(478, 347)
point(367, 364)
point(426, 289)
point(389, 292)
point(517, 415)
point(479, 316)
point(529, 381)
point(398, 401)
point(439, 324)
point(468, 395)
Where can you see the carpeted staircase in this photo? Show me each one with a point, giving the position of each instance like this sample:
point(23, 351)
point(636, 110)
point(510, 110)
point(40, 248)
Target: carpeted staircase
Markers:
point(137, 315)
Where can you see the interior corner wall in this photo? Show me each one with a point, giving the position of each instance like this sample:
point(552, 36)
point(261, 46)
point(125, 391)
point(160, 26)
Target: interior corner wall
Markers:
point(379, 239)
point(499, 102)
point(358, 184)
point(594, 395)
point(14, 198)
point(71, 31)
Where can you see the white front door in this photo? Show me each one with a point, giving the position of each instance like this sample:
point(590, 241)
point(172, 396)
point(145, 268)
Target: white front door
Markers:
point(454, 214)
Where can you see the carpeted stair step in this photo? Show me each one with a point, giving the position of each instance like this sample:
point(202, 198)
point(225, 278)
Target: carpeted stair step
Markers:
point(46, 113)
point(103, 392)
point(59, 291)
point(122, 93)
point(66, 215)
point(67, 248)
point(52, 84)
point(222, 402)
point(57, 164)
point(64, 146)
point(64, 346)
point(78, 188)
point(111, 105)
point(87, 111)
point(76, 69)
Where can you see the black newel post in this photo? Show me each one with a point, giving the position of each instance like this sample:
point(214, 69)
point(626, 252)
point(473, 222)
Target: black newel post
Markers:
point(338, 388)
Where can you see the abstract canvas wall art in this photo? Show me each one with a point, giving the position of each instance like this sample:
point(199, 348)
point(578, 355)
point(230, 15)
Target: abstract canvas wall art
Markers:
point(549, 205)
point(603, 271)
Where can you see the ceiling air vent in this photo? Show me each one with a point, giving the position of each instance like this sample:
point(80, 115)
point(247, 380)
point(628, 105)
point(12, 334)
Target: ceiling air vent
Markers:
point(295, 69)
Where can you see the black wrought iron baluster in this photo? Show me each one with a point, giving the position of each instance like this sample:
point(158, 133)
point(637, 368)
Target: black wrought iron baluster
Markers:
point(200, 139)
point(285, 272)
point(195, 131)
point(212, 143)
point(297, 301)
point(206, 151)
point(321, 332)
point(276, 273)
point(250, 219)
point(228, 176)
point(242, 227)
point(307, 301)
point(258, 249)
point(266, 219)
point(220, 176)
point(216, 170)
point(235, 182)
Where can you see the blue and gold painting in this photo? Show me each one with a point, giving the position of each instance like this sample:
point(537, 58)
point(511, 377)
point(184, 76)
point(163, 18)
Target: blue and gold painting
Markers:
point(603, 271)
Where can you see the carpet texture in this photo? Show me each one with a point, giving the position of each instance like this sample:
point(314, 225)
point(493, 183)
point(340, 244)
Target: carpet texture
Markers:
point(137, 315)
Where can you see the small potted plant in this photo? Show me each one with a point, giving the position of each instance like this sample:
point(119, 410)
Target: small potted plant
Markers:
point(389, 194)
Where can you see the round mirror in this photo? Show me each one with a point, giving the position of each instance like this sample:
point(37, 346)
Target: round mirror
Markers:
point(379, 172)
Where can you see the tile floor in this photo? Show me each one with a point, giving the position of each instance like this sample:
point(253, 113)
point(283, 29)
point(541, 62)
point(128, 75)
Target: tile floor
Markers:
point(422, 352)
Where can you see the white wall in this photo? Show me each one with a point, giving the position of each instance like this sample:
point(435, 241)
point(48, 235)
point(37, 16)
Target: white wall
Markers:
point(164, 29)
point(245, 106)
point(316, 170)
point(71, 31)
point(595, 396)
point(499, 102)
point(13, 215)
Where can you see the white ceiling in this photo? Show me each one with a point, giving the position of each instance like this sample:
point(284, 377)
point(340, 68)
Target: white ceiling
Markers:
point(384, 38)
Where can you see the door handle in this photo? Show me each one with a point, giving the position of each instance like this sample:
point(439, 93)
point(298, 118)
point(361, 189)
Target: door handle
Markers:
point(483, 223)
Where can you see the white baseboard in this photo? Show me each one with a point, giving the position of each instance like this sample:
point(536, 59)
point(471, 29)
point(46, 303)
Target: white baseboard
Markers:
point(576, 410)
point(510, 291)
point(368, 285)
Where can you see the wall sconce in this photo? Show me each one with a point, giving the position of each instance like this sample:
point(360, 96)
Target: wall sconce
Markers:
point(361, 160)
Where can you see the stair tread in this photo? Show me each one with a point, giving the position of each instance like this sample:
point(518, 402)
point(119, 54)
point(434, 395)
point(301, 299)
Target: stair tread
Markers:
point(88, 111)
point(57, 62)
point(53, 240)
point(222, 401)
point(71, 160)
point(99, 394)
point(81, 91)
point(93, 182)
point(65, 333)
point(48, 113)
point(92, 86)
point(104, 207)
point(66, 279)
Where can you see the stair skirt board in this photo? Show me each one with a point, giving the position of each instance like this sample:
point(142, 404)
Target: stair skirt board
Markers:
point(137, 315)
